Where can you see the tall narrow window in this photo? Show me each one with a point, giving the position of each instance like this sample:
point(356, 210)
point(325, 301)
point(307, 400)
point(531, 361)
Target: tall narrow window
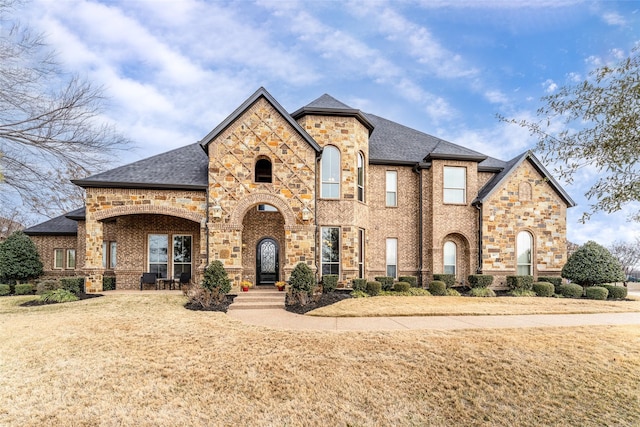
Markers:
point(361, 253)
point(360, 177)
point(330, 173)
point(113, 246)
point(105, 254)
point(450, 257)
point(330, 250)
point(392, 188)
point(71, 259)
point(392, 258)
point(181, 255)
point(109, 255)
point(455, 185)
point(263, 171)
point(525, 247)
point(58, 259)
point(158, 254)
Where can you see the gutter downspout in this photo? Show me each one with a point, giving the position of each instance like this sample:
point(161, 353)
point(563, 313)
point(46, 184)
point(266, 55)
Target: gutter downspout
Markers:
point(417, 169)
point(479, 268)
point(315, 219)
point(206, 226)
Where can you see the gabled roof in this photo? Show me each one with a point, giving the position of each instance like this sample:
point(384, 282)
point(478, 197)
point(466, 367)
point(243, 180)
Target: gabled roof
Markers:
point(327, 105)
point(392, 142)
point(184, 168)
point(63, 225)
point(495, 182)
point(260, 93)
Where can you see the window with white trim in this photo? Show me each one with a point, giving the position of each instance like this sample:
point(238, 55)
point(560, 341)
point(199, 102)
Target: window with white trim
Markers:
point(58, 259)
point(450, 253)
point(392, 258)
point(360, 177)
point(330, 173)
point(524, 245)
point(455, 185)
point(360, 253)
point(392, 188)
point(330, 262)
point(71, 259)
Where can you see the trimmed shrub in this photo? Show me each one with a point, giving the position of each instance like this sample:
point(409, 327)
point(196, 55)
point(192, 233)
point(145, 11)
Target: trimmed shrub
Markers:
point(418, 292)
point(520, 282)
point(374, 288)
point(19, 259)
point(329, 282)
point(401, 287)
point(47, 285)
point(359, 284)
point(438, 287)
point(616, 292)
point(24, 289)
point(386, 282)
point(571, 290)
point(411, 280)
point(596, 292)
point(216, 281)
point(5, 290)
point(448, 279)
point(481, 292)
point(302, 279)
point(522, 293)
point(554, 280)
point(108, 283)
point(74, 285)
point(544, 289)
point(480, 280)
point(592, 264)
point(452, 293)
point(59, 295)
point(359, 294)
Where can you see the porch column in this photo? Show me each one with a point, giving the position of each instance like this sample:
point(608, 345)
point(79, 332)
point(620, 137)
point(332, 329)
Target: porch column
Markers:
point(225, 244)
point(93, 268)
point(300, 247)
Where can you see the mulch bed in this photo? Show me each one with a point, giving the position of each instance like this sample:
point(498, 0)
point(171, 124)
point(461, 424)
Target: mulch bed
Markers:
point(38, 302)
point(325, 299)
point(223, 307)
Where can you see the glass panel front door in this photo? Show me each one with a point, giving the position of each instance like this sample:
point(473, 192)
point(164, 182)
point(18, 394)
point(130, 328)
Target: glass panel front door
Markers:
point(267, 262)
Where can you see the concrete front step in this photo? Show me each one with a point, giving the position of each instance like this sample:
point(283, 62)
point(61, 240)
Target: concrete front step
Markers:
point(257, 298)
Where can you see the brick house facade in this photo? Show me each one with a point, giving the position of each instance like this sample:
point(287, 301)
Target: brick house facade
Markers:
point(346, 192)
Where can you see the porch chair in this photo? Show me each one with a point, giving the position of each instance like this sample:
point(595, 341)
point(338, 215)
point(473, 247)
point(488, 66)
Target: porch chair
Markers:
point(148, 279)
point(184, 279)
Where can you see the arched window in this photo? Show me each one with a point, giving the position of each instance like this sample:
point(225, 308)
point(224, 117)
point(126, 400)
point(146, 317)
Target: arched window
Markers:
point(360, 177)
point(524, 247)
point(263, 171)
point(450, 250)
point(330, 173)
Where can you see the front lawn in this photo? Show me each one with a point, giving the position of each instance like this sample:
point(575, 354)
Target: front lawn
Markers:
point(144, 360)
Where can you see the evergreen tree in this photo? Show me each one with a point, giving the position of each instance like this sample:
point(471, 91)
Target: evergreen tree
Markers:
point(592, 264)
point(19, 259)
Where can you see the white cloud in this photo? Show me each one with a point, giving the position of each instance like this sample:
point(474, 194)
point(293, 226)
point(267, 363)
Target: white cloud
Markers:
point(613, 18)
point(496, 97)
point(549, 86)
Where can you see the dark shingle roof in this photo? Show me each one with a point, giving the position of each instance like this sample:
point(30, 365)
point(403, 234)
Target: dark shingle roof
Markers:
point(327, 105)
point(184, 168)
point(63, 225)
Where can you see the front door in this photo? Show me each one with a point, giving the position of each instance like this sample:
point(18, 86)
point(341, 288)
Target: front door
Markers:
point(267, 262)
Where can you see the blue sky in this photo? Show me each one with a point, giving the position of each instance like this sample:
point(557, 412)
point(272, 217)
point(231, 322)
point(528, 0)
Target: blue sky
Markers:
point(173, 69)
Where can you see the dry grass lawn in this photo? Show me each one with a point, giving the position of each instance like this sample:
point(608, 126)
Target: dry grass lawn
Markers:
point(452, 306)
point(144, 360)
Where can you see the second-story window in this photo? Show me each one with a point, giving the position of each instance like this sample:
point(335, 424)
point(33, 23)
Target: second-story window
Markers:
point(330, 173)
point(392, 188)
point(455, 185)
point(360, 177)
point(263, 171)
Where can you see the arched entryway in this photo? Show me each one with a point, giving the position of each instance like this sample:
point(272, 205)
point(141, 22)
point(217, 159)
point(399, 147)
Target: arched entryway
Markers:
point(267, 262)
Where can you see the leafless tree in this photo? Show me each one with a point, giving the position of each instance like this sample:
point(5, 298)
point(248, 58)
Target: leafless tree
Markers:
point(628, 253)
point(10, 220)
point(50, 125)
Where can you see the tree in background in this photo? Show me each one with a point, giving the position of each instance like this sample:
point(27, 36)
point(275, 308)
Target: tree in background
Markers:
point(592, 264)
point(50, 131)
point(11, 220)
point(628, 253)
point(19, 259)
point(599, 122)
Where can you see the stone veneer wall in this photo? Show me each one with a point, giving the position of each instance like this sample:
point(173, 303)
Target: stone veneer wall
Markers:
point(107, 203)
point(261, 132)
point(516, 207)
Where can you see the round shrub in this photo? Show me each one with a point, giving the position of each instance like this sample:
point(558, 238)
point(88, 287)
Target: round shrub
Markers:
point(401, 287)
point(438, 287)
point(386, 282)
point(19, 259)
point(302, 279)
point(592, 264)
point(329, 282)
point(59, 295)
point(448, 279)
point(24, 289)
point(480, 280)
point(596, 292)
point(452, 293)
point(5, 290)
point(359, 284)
point(481, 292)
point(411, 280)
point(520, 282)
point(554, 280)
point(571, 290)
point(616, 292)
point(544, 289)
point(374, 288)
point(216, 281)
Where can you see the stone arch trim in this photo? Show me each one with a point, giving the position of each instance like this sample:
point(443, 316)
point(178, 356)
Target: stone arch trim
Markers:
point(150, 209)
point(248, 202)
